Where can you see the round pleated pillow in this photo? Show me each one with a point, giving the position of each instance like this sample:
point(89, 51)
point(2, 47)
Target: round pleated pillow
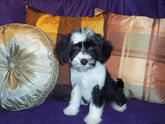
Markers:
point(28, 67)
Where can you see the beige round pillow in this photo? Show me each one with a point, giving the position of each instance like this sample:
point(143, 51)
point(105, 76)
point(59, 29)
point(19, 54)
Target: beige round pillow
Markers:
point(28, 67)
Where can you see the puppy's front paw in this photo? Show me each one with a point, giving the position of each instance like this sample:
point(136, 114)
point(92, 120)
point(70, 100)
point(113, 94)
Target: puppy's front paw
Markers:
point(70, 111)
point(119, 108)
point(90, 120)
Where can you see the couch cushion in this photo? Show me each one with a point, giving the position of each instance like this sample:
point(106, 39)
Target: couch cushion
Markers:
point(139, 55)
point(28, 67)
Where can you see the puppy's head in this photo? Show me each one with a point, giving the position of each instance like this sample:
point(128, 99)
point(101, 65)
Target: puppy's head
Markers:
point(83, 48)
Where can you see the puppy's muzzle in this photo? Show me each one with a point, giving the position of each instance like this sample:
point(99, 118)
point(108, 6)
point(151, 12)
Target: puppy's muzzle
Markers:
point(84, 61)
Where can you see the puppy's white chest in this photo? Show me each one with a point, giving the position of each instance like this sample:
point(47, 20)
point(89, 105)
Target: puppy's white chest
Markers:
point(88, 79)
point(87, 86)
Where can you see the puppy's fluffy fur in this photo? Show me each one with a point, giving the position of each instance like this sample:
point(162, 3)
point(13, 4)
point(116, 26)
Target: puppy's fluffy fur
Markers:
point(92, 85)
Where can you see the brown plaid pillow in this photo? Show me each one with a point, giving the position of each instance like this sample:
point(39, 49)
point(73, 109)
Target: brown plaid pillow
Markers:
point(139, 55)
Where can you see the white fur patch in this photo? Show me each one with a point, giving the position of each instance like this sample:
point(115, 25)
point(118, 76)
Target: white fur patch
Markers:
point(77, 37)
point(71, 110)
point(88, 79)
point(90, 120)
point(119, 108)
point(74, 103)
point(81, 36)
point(94, 115)
point(115, 80)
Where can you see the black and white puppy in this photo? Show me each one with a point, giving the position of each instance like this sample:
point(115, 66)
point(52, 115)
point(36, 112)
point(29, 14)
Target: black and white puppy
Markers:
point(88, 52)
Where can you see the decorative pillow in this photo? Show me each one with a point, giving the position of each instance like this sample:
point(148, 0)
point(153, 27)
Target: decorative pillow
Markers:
point(139, 55)
point(28, 67)
point(58, 26)
point(98, 11)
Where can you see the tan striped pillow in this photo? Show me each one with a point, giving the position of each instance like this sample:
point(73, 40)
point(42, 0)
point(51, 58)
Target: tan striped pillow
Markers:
point(139, 55)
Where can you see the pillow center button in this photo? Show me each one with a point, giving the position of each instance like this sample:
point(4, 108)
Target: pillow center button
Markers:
point(11, 65)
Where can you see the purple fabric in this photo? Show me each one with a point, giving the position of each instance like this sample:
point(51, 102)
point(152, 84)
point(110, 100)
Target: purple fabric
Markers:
point(13, 11)
point(51, 112)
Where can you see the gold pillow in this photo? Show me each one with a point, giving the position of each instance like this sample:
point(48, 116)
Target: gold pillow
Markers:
point(58, 26)
point(28, 67)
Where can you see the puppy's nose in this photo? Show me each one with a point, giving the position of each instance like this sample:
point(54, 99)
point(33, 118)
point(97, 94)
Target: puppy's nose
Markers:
point(84, 61)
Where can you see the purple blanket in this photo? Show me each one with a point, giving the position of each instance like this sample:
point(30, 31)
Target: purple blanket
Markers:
point(51, 112)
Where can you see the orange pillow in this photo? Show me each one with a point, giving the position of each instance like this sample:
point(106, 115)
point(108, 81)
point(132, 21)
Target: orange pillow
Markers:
point(56, 27)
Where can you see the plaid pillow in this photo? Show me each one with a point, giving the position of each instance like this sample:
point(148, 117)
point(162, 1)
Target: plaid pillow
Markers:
point(139, 55)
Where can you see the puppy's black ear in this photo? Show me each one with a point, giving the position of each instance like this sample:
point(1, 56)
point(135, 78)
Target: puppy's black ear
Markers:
point(119, 82)
point(105, 49)
point(62, 49)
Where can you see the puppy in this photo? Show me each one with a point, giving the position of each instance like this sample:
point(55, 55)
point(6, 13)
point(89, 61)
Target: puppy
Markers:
point(92, 84)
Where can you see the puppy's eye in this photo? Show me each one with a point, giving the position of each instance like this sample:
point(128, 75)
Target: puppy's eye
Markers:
point(76, 48)
point(91, 48)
